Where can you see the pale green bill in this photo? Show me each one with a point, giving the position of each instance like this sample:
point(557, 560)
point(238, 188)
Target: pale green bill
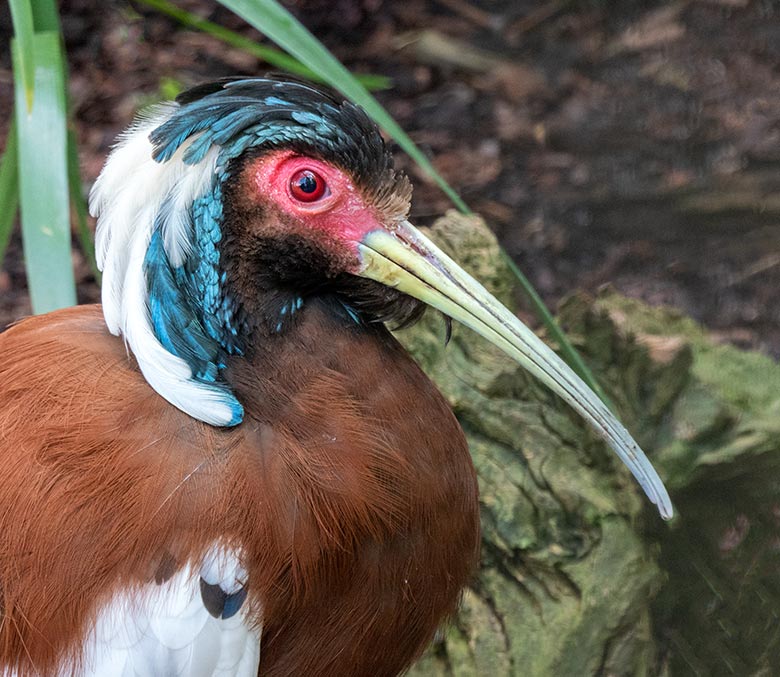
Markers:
point(408, 261)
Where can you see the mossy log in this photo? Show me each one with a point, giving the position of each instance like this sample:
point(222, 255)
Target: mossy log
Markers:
point(578, 575)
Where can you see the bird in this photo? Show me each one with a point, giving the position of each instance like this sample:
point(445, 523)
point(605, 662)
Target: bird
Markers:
point(231, 466)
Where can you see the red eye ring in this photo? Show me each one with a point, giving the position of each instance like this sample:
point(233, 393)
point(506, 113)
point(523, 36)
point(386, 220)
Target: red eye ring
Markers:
point(307, 185)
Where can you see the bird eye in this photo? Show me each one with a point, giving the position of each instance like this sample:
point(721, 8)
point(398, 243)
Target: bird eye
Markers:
point(307, 186)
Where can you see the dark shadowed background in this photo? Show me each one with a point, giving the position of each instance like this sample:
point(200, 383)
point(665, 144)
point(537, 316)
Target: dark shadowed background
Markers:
point(630, 143)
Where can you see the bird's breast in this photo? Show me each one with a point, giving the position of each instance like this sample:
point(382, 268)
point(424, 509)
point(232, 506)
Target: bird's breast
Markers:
point(347, 492)
point(369, 492)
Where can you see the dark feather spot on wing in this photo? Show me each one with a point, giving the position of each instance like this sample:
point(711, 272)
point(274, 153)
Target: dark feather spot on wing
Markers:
point(218, 603)
point(165, 569)
point(233, 603)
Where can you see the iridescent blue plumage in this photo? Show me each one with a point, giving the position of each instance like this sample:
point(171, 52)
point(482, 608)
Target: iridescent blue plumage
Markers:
point(193, 314)
point(217, 309)
point(191, 311)
point(176, 321)
point(239, 114)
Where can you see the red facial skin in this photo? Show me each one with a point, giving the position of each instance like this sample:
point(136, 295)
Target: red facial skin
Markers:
point(340, 212)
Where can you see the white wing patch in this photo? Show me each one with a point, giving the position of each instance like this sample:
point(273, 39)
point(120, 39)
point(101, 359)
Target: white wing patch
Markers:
point(165, 630)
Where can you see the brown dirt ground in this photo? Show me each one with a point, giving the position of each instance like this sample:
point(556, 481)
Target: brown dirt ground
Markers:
point(631, 143)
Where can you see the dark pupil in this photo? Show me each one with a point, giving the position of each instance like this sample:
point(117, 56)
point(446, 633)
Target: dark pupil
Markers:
point(307, 183)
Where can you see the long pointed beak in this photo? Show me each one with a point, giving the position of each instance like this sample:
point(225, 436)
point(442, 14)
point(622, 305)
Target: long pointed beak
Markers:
point(407, 260)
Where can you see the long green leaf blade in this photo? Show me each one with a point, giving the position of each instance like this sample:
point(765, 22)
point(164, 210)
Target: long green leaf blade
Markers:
point(9, 189)
point(274, 57)
point(43, 178)
point(45, 16)
point(24, 30)
point(568, 351)
point(271, 19)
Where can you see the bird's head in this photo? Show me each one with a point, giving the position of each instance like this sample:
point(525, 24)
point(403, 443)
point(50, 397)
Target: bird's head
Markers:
point(221, 214)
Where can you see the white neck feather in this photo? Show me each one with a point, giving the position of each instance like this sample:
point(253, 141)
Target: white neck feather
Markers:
point(128, 200)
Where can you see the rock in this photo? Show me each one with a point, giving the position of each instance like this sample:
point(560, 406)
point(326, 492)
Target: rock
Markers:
point(578, 574)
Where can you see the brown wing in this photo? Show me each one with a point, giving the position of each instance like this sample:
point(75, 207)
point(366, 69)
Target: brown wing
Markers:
point(94, 464)
point(348, 490)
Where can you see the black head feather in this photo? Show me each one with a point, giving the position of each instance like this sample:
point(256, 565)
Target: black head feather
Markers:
point(252, 281)
point(247, 116)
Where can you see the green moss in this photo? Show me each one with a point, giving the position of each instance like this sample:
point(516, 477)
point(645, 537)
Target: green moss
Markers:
point(746, 380)
point(564, 575)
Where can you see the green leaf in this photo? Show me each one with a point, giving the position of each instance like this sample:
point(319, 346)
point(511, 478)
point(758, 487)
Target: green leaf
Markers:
point(80, 205)
point(43, 177)
point(9, 189)
point(45, 16)
point(22, 18)
point(169, 88)
point(270, 55)
point(273, 20)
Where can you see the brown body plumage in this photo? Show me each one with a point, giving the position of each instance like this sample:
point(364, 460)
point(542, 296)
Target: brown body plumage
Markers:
point(348, 487)
point(253, 240)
